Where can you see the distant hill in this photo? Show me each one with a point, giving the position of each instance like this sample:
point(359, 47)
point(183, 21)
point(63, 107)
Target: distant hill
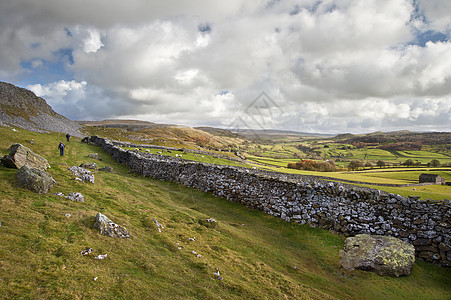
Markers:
point(401, 136)
point(22, 108)
point(218, 131)
point(278, 134)
point(208, 138)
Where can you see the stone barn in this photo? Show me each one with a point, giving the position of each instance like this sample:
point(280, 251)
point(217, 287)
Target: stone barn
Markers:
point(431, 178)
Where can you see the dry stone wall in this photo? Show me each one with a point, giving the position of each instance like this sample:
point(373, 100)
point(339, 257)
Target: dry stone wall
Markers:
point(341, 208)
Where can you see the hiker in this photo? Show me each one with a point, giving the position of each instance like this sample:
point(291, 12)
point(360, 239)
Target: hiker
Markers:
point(67, 137)
point(61, 147)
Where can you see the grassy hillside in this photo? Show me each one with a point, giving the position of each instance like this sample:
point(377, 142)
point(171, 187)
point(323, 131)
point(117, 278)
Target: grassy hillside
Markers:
point(168, 134)
point(259, 256)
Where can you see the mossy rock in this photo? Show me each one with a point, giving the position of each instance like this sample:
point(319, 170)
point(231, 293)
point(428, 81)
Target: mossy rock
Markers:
point(384, 255)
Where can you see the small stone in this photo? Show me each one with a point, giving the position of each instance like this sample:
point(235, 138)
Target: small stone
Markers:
point(210, 222)
point(87, 251)
point(67, 215)
point(217, 275)
point(159, 226)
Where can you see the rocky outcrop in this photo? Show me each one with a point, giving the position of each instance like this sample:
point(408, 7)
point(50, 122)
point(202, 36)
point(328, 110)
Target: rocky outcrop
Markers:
point(76, 197)
point(107, 169)
point(109, 228)
point(72, 196)
point(82, 174)
point(384, 255)
point(22, 108)
point(94, 156)
point(341, 208)
point(35, 180)
point(89, 165)
point(20, 156)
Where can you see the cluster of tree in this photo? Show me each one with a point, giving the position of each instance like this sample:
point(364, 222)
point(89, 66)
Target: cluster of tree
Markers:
point(360, 145)
point(434, 163)
point(307, 149)
point(355, 165)
point(410, 163)
point(402, 146)
point(312, 165)
point(425, 138)
point(358, 164)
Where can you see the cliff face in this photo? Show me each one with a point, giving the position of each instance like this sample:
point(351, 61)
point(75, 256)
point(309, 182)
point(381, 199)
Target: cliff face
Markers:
point(22, 108)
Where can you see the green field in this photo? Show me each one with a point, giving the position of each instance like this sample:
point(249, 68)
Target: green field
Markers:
point(277, 155)
point(259, 256)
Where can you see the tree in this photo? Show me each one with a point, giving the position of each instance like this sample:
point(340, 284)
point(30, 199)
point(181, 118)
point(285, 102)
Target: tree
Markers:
point(355, 165)
point(409, 162)
point(435, 163)
point(380, 163)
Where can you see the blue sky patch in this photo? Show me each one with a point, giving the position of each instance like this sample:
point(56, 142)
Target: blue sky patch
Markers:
point(429, 36)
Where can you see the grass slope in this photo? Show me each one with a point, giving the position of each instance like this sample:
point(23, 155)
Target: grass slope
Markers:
point(259, 256)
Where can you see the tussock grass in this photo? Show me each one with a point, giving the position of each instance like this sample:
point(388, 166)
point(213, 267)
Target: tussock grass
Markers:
point(259, 256)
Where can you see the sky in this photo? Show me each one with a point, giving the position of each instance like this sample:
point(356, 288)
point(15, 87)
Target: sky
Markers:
point(331, 66)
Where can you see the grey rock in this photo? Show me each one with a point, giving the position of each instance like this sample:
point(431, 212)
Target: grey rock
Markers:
point(82, 174)
point(76, 197)
point(109, 228)
point(210, 222)
point(35, 180)
point(386, 256)
point(94, 156)
point(88, 165)
point(20, 156)
point(106, 169)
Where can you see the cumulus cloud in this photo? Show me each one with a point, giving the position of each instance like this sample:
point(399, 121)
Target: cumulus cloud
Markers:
point(330, 65)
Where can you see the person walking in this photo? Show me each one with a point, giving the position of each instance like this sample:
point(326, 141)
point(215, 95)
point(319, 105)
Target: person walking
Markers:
point(67, 137)
point(61, 147)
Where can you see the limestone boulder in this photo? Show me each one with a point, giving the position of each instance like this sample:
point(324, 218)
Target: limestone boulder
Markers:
point(109, 228)
point(384, 255)
point(35, 180)
point(76, 197)
point(20, 156)
point(106, 169)
point(82, 174)
point(88, 165)
point(94, 156)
